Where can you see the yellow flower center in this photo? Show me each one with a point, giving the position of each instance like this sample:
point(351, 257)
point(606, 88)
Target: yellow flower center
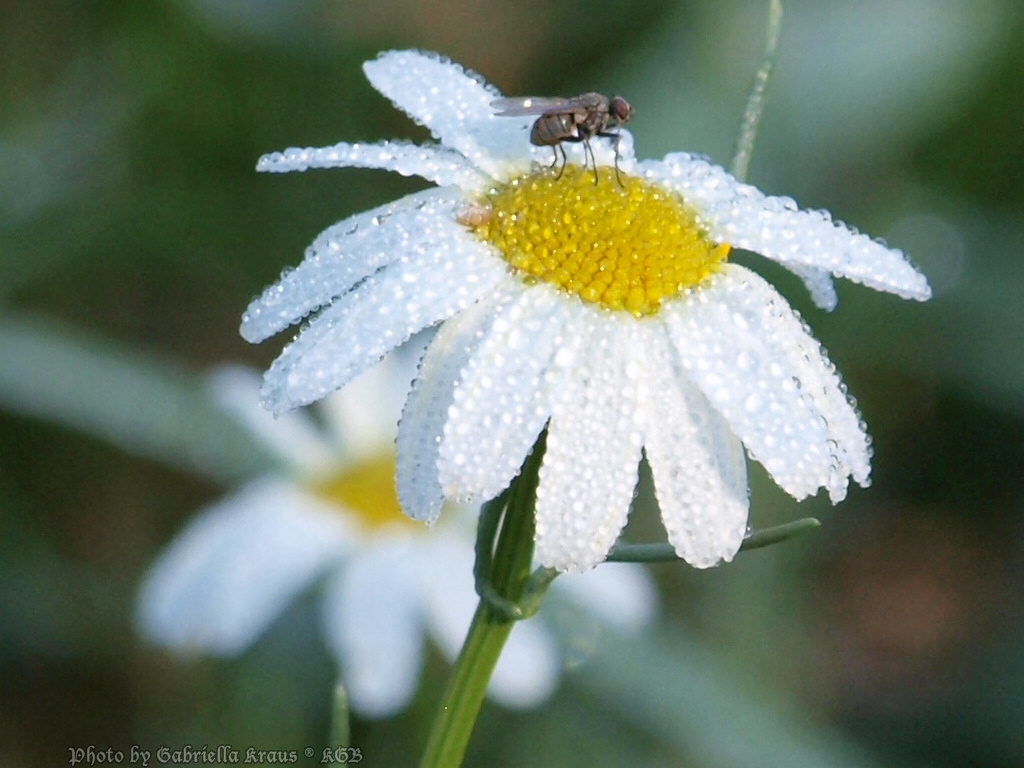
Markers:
point(625, 246)
point(367, 489)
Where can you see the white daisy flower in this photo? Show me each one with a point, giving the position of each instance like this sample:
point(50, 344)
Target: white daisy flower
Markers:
point(331, 518)
point(607, 311)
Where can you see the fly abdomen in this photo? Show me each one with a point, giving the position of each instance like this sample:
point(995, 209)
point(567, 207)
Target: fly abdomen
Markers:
point(549, 130)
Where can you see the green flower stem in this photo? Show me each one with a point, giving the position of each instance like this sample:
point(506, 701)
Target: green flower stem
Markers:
point(509, 572)
point(340, 734)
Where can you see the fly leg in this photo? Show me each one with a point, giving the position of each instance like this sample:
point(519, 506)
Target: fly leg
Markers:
point(616, 136)
point(559, 148)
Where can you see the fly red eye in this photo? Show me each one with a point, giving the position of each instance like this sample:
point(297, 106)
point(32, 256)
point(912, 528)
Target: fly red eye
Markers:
point(620, 109)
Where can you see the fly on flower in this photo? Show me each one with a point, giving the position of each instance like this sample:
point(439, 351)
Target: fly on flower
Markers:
point(578, 119)
point(611, 316)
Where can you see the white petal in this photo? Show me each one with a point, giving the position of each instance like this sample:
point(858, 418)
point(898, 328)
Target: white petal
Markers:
point(622, 595)
point(589, 471)
point(445, 569)
point(234, 568)
point(437, 164)
point(294, 437)
point(364, 415)
point(346, 253)
point(818, 283)
point(442, 272)
point(373, 624)
point(760, 367)
point(528, 667)
point(744, 217)
point(454, 104)
point(848, 442)
point(699, 469)
point(502, 399)
point(426, 410)
point(527, 670)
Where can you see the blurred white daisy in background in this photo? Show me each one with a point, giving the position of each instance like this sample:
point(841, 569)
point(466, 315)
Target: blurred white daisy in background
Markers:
point(607, 311)
point(330, 518)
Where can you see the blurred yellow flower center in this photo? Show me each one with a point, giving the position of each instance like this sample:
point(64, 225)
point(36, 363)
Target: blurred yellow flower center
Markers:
point(367, 489)
point(625, 246)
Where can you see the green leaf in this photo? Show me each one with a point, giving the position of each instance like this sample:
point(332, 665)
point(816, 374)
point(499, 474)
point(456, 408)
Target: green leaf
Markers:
point(143, 404)
point(680, 692)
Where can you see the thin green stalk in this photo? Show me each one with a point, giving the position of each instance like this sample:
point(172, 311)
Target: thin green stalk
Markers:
point(756, 100)
point(509, 574)
point(663, 552)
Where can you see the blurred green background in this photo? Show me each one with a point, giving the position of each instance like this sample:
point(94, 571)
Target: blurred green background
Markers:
point(134, 230)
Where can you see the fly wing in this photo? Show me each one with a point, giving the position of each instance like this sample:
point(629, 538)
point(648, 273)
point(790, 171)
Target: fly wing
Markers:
point(517, 106)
